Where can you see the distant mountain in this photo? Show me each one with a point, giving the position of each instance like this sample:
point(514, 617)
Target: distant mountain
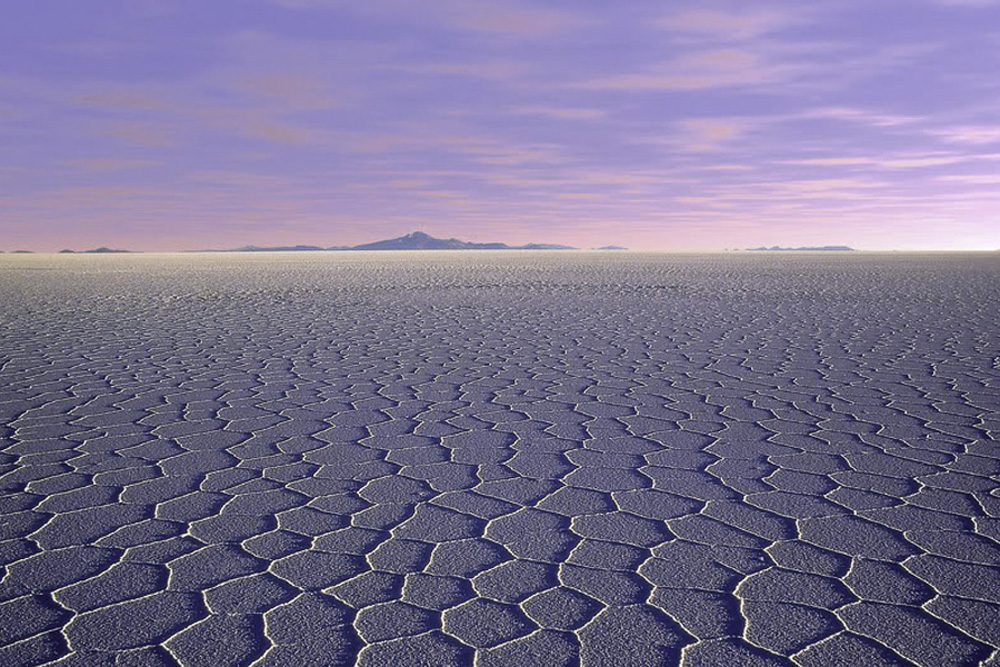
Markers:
point(412, 241)
point(543, 246)
point(422, 241)
point(612, 247)
point(96, 251)
point(283, 248)
point(822, 248)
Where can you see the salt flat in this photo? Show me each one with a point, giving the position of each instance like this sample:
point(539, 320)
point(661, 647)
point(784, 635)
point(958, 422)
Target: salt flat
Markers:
point(516, 458)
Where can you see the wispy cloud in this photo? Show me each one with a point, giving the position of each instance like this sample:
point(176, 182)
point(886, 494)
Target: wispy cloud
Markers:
point(509, 19)
point(263, 126)
point(730, 26)
point(721, 49)
point(972, 179)
point(122, 99)
point(561, 113)
point(724, 167)
point(290, 91)
point(969, 134)
point(882, 162)
point(241, 179)
point(493, 151)
point(702, 134)
point(110, 164)
point(716, 68)
point(145, 134)
point(496, 69)
point(859, 115)
point(968, 3)
point(98, 48)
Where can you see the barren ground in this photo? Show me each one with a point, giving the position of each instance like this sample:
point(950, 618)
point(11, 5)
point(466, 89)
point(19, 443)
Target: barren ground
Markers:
point(509, 458)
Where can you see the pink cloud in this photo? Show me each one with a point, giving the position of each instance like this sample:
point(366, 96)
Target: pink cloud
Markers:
point(859, 116)
point(262, 124)
point(122, 99)
point(146, 134)
point(290, 91)
point(279, 131)
point(514, 20)
point(409, 183)
point(716, 68)
point(724, 167)
point(496, 70)
point(110, 192)
point(970, 134)
point(561, 113)
point(728, 26)
point(972, 179)
point(510, 20)
point(374, 143)
point(110, 164)
point(968, 3)
point(708, 133)
point(241, 179)
point(889, 162)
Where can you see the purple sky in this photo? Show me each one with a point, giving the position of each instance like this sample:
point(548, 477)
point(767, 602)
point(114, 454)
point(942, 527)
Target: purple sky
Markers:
point(176, 124)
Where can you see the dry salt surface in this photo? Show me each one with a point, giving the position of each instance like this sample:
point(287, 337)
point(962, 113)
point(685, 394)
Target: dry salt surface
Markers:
point(500, 459)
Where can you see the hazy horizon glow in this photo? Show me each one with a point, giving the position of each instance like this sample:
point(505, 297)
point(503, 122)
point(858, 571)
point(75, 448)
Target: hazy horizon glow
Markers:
point(156, 125)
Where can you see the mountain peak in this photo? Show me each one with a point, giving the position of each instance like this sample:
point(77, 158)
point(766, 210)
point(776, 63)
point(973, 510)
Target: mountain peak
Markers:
point(416, 240)
point(821, 248)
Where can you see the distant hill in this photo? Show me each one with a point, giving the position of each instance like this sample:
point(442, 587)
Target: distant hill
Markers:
point(422, 241)
point(612, 247)
point(543, 246)
point(412, 241)
point(822, 248)
point(283, 248)
point(96, 251)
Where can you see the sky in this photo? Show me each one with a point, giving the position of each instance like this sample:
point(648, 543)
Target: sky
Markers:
point(164, 125)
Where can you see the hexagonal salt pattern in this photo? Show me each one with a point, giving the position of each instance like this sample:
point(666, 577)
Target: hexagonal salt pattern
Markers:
point(499, 459)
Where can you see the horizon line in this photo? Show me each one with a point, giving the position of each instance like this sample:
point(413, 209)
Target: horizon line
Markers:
point(293, 249)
